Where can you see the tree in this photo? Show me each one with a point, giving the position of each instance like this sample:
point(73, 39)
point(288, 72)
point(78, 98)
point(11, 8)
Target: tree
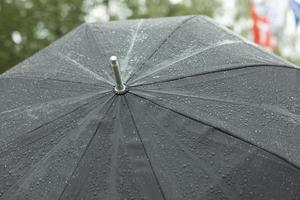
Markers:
point(35, 24)
point(162, 8)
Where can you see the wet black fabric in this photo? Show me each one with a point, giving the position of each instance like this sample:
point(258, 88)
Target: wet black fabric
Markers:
point(207, 115)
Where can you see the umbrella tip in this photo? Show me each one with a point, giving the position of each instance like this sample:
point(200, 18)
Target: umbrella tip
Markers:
point(119, 88)
point(113, 59)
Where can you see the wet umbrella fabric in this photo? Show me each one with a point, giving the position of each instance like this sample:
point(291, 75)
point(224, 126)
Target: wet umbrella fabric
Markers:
point(206, 116)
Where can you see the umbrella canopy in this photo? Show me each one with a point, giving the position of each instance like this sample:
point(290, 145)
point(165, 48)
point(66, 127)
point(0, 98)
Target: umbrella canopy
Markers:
point(183, 110)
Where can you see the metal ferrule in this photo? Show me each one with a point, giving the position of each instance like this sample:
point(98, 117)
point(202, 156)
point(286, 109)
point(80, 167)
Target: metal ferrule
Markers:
point(119, 88)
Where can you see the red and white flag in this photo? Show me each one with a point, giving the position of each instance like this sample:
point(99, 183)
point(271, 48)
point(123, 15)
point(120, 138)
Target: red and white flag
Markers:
point(261, 25)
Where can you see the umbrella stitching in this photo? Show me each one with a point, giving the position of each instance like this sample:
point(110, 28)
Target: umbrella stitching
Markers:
point(216, 71)
point(222, 43)
point(57, 128)
point(24, 108)
point(89, 143)
point(178, 58)
point(115, 148)
point(58, 118)
point(270, 108)
point(222, 130)
point(265, 107)
point(51, 79)
point(62, 116)
point(87, 28)
point(145, 151)
point(284, 62)
point(69, 60)
point(203, 166)
point(41, 138)
point(49, 122)
point(160, 45)
point(83, 68)
point(247, 41)
point(126, 62)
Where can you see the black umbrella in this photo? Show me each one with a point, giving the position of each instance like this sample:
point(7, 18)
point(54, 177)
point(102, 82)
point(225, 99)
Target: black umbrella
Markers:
point(197, 113)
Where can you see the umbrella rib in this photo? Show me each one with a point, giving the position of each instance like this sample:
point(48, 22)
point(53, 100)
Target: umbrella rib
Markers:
point(83, 68)
point(203, 165)
point(233, 67)
point(59, 117)
point(145, 151)
point(7, 145)
point(133, 40)
point(58, 100)
point(50, 79)
point(264, 51)
point(160, 45)
point(115, 138)
point(183, 56)
point(46, 135)
point(223, 131)
point(89, 143)
point(267, 107)
point(89, 32)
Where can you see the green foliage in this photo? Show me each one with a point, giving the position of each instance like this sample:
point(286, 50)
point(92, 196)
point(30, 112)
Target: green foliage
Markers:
point(39, 22)
point(243, 9)
point(161, 8)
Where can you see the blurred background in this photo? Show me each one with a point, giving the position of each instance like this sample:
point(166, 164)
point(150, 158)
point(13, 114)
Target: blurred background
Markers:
point(27, 26)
